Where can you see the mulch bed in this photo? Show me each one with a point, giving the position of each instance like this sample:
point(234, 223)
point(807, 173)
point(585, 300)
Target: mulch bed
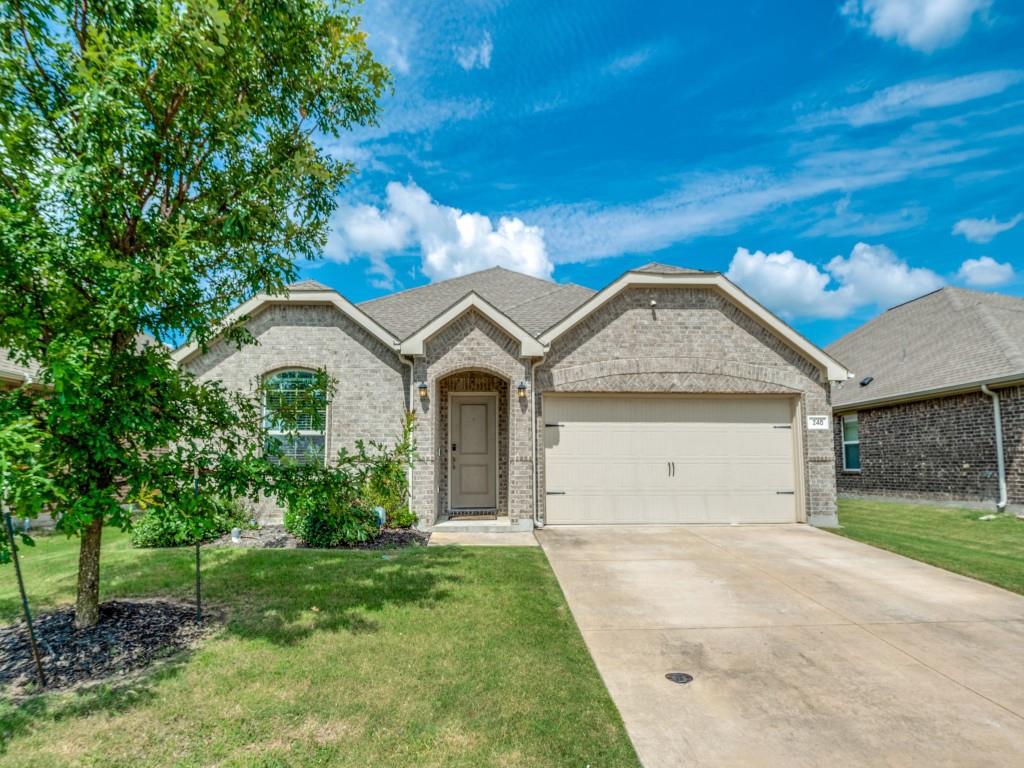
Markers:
point(276, 537)
point(130, 636)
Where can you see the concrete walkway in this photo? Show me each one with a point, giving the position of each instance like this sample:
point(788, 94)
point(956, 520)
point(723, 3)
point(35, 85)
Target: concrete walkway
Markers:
point(806, 649)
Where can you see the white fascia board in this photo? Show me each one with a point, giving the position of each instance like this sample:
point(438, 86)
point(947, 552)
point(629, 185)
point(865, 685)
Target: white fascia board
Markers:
point(833, 369)
point(298, 298)
point(529, 346)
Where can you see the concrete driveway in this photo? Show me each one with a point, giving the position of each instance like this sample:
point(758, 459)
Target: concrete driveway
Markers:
point(806, 649)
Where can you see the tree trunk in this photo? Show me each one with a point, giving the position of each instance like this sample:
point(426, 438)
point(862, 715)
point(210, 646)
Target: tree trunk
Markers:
point(87, 606)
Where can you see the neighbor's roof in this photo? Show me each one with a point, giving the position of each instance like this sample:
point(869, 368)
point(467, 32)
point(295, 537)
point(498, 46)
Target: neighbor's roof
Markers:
point(530, 302)
point(944, 341)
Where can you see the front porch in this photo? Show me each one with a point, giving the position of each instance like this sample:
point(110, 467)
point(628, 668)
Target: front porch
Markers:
point(473, 449)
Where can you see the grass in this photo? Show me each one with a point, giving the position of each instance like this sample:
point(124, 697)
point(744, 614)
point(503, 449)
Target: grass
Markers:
point(954, 539)
point(424, 657)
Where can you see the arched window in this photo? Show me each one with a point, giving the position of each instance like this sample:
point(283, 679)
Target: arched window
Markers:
point(295, 393)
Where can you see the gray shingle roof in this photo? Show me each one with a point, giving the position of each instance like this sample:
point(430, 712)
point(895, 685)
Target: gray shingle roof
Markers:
point(530, 302)
point(666, 269)
point(947, 339)
point(309, 285)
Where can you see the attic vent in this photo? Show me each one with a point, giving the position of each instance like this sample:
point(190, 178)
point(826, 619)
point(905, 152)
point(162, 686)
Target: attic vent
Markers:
point(866, 380)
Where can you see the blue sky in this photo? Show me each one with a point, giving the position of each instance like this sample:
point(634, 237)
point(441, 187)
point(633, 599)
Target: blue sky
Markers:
point(833, 157)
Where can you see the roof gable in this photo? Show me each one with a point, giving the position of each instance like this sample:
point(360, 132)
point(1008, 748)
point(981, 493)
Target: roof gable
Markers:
point(833, 370)
point(950, 339)
point(297, 294)
point(529, 346)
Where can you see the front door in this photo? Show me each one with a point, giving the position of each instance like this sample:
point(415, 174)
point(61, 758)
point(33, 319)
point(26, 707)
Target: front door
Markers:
point(473, 451)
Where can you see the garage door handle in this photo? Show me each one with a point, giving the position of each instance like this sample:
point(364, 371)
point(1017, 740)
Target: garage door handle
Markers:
point(785, 493)
point(556, 493)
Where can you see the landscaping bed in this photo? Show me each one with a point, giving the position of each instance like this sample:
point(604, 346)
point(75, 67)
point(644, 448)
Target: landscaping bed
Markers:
point(131, 635)
point(276, 537)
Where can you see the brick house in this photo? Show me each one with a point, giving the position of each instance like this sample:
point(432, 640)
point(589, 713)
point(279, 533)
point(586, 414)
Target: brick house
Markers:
point(668, 396)
point(932, 380)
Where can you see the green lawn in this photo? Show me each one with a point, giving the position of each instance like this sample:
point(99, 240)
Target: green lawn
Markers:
point(433, 657)
point(954, 539)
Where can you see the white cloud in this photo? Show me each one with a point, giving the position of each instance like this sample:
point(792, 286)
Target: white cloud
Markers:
point(451, 242)
point(630, 61)
point(983, 230)
point(923, 25)
point(985, 272)
point(475, 56)
point(717, 203)
point(872, 275)
point(915, 96)
point(846, 222)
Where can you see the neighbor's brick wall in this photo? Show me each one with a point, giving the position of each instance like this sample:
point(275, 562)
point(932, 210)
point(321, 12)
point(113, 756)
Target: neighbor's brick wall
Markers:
point(1013, 441)
point(943, 448)
point(694, 341)
point(476, 381)
point(471, 342)
point(372, 382)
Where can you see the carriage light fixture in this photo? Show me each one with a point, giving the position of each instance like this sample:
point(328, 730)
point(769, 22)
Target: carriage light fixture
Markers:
point(422, 388)
point(521, 390)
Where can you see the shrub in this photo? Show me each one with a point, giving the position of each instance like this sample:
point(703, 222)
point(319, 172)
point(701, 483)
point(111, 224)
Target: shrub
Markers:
point(330, 505)
point(324, 507)
point(156, 527)
point(330, 522)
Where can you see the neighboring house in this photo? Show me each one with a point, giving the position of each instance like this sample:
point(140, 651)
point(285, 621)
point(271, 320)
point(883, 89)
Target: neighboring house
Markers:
point(931, 380)
point(668, 397)
point(14, 374)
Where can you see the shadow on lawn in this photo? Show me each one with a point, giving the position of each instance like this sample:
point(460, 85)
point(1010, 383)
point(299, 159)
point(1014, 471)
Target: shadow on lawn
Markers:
point(279, 596)
point(288, 595)
point(283, 596)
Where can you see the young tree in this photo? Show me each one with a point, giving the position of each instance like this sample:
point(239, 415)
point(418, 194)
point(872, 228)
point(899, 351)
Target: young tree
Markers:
point(158, 166)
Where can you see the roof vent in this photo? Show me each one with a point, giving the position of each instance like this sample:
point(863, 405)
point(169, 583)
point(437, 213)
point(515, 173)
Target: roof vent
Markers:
point(866, 380)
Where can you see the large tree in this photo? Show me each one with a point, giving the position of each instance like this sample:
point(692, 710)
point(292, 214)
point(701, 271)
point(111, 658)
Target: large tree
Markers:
point(159, 164)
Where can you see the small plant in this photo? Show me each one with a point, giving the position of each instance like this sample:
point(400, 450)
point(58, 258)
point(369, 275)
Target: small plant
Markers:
point(387, 477)
point(161, 526)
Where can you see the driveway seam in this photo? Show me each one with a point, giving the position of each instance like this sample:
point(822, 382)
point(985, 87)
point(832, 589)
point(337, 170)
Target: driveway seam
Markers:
point(867, 630)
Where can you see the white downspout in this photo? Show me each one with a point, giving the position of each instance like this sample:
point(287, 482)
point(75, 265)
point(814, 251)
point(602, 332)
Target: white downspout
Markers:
point(412, 408)
point(1000, 465)
point(533, 420)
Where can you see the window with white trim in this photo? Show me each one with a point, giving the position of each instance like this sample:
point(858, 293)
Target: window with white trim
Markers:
point(305, 443)
point(851, 443)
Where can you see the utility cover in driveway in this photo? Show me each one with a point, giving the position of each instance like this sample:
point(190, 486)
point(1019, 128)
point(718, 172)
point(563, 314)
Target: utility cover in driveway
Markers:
point(669, 459)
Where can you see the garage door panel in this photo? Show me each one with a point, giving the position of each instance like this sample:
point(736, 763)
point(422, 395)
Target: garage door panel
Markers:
point(635, 459)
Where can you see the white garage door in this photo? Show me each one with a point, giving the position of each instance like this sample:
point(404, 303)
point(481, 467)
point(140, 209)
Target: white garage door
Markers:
point(635, 459)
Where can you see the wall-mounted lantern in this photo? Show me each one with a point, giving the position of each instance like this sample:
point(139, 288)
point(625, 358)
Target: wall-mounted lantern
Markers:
point(521, 390)
point(422, 389)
